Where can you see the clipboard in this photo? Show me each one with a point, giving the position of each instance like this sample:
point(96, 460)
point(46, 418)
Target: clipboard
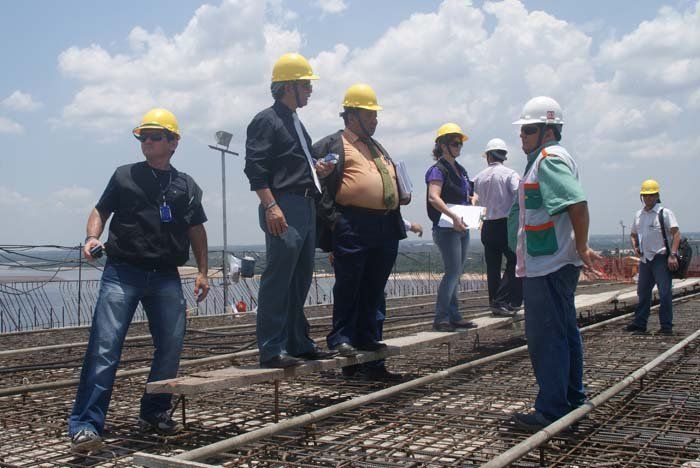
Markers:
point(403, 181)
point(471, 215)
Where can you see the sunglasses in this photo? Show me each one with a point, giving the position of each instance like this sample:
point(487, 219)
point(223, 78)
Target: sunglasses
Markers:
point(143, 137)
point(456, 144)
point(306, 85)
point(529, 129)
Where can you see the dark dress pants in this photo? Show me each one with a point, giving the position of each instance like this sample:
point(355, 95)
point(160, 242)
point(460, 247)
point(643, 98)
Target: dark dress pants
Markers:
point(282, 327)
point(506, 289)
point(364, 248)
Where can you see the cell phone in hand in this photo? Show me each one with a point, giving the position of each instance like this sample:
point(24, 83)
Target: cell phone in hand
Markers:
point(96, 252)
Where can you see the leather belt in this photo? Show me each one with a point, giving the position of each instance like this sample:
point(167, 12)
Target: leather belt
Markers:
point(309, 192)
point(360, 210)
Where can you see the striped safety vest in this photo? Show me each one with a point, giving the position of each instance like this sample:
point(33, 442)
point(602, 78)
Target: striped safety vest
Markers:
point(545, 243)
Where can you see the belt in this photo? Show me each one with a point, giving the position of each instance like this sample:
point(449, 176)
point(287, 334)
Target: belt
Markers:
point(309, 192)
point(360, 210)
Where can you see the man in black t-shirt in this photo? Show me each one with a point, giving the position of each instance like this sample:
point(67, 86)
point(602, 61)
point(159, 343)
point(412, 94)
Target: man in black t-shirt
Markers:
point(157, 214)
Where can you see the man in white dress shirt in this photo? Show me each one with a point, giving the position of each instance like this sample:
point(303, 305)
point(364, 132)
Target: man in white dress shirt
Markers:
point(655, 262)
point(497, 187)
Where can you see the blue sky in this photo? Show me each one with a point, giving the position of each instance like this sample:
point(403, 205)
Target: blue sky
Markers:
point(77, 76)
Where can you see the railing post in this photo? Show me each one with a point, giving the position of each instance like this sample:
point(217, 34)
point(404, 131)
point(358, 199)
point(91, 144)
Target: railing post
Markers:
point(80, 277)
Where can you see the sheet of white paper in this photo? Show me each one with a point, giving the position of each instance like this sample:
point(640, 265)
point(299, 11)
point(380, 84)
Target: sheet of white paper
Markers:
point(471, 216)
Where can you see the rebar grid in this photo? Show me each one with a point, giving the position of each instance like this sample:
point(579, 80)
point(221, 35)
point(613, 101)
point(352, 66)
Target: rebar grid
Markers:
point(32, 428)
point(465, 420)
point(655, 425)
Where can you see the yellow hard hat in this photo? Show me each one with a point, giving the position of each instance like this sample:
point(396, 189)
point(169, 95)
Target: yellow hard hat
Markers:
point(290, 67)
point(449, 128)
point(649, 187)
point(159, 118)
point(361, 96)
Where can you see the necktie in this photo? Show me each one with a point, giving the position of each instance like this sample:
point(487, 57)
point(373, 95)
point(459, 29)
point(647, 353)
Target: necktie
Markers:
point(388, 187)
point(302, 140)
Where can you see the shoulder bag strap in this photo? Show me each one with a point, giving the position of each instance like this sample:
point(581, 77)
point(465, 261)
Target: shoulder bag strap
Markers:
point(663, 230)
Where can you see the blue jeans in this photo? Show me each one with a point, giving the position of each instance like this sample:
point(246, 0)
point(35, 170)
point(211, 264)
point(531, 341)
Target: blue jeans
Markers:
point(122, 287)
point(654, 272)
point(282, 327)
point(453, 247)
point(554, 341)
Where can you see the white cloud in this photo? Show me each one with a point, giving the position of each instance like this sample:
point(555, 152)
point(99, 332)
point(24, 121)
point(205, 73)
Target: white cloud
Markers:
point(20, 101)
point(210, 75)
point(54, 217)
point(73, 199)
point(10, 126)
point(625, 105)
point(332, 6)
point(660, 56)
point(9, 197)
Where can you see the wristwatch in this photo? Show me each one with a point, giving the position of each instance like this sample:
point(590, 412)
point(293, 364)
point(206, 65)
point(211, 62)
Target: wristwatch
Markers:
point(270, 205)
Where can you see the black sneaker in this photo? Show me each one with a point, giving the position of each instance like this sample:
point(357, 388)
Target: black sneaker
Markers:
point(463, 324)
point(381, 373)
point(665, 331)
point(318, 355)
point(443, 327)
point(635, 328)
point(501, 310)
point(85, 441)
point(350, 371)
point(159, 422)
point(531, 421)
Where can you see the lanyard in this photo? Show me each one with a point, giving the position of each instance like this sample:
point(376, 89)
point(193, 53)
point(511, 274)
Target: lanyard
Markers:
point(163, 191)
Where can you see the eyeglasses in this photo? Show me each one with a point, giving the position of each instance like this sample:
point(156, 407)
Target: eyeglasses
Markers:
point(306, 85)
point(456, 144)
point(157, 136)
point(529, 129)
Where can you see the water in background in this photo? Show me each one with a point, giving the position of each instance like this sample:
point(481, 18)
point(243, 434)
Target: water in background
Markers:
point(34, 296)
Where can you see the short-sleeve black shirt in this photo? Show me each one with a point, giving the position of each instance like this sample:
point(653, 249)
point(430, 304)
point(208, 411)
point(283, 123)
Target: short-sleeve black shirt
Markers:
point(136, 233)
point(274, 157)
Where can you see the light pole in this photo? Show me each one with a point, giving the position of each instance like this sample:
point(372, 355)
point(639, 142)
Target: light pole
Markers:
point(622, 225)
point(223, 140)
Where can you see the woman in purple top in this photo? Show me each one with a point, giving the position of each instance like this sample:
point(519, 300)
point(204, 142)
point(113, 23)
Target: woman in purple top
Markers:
point(448, 183)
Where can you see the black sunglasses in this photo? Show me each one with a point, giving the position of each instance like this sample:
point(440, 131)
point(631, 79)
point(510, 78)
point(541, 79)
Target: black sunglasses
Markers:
point(529, 129)
point(158, 136)
point(456, 144)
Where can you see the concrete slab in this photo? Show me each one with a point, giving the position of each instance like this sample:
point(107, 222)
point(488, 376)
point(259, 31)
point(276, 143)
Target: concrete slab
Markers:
point(208, 381)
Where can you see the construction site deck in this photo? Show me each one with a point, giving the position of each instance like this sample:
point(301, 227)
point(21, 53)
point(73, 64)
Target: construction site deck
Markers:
point(453, 407)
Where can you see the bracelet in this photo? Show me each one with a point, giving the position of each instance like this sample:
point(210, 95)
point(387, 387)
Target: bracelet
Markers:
point(90, 237)
point(272, 203)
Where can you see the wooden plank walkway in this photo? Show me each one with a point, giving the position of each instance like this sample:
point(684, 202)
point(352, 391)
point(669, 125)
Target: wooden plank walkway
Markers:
point(221, 379)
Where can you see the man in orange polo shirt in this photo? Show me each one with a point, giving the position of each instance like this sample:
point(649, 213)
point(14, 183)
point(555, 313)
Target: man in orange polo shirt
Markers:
point(360, 208)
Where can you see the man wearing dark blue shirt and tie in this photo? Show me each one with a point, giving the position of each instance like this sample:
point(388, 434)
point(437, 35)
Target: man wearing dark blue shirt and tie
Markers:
point(283, 174)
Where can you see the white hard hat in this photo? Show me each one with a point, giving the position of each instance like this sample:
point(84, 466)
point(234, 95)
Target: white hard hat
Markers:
point(541, 109)
point(495, 144)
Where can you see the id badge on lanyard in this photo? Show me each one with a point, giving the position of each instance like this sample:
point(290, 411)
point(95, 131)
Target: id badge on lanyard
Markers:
point(166, 215)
